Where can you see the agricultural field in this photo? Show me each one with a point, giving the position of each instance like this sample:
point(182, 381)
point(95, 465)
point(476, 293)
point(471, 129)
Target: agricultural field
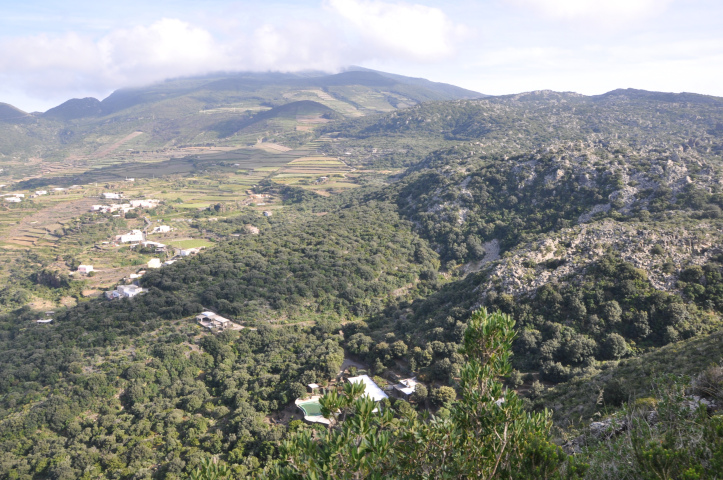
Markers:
point(190, 243)
point(195, 184)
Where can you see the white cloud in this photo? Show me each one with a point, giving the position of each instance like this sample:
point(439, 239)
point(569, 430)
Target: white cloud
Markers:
point(344, 32)
point(609, 12)
point(55, 67)
point(413, 31)
point(168, 47)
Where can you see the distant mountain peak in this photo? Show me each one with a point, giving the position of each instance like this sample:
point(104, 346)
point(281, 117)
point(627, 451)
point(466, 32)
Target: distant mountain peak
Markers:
point(11, 114)
point(75, 108)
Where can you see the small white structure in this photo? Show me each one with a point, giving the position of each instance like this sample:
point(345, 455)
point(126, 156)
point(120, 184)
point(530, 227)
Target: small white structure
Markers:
point(405, 388)
point(190, 251)
point(85, 268)
point(135, 276)
point(162, 229)
point(19, 195)
point(134, 236)
point(41, 192)
point(46, 320)
point(144, 203)
point(154, 263)
point(212, 321)
point(124, 291)
point(169, 262)
point(156, 245)
point(58, 189)
point(111, 196)
point(268, 213)
point(12, 200)
point(371, 389)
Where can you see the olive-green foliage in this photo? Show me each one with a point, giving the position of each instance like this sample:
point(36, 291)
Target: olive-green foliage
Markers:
point(704, 284)
point(89, 229)
point(487, 433)
point(583, 398)
point(111, 397)
point(343, 263)
point(664, 438)
point(602, 310)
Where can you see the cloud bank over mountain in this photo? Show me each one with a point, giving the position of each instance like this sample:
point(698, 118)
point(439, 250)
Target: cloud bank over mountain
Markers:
point(82, 48)
point(352, 31)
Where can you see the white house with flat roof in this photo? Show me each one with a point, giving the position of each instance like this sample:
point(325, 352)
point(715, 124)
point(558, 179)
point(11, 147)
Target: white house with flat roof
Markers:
point(371, 389)
point(211, 320)
point(124, 291)
point(134, 236)
point(161, 229)
point(85, 268)
point(405, 388)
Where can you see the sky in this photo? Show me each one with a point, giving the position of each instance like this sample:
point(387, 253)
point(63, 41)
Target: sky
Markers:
point(53, 50)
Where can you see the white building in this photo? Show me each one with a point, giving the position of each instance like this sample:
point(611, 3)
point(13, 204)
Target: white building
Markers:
point(46, 320)
point(134, 236)
point(162, 229)
point(371, 389)
point(12, 200)
point(124, 291)
point(268, 213)
point(41, 192)
point(405, 388)
point(156, 245)
point(145, 203)
point(111, 196)
point(211, 320)
point(154, 263)
point(85, 268)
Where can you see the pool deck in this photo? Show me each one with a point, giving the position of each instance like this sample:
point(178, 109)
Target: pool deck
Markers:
point(315, 418)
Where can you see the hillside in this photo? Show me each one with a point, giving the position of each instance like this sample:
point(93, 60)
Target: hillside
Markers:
point(74, 109)
point(10, 114)
point(225, 109)
point(594, 221)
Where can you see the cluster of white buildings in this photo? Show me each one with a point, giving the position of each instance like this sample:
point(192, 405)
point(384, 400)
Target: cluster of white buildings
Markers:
point(14, 197)
point(123, 207)
point(115, 207)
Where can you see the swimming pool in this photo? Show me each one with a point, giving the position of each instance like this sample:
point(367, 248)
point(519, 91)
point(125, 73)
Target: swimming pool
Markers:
point(311, 408)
